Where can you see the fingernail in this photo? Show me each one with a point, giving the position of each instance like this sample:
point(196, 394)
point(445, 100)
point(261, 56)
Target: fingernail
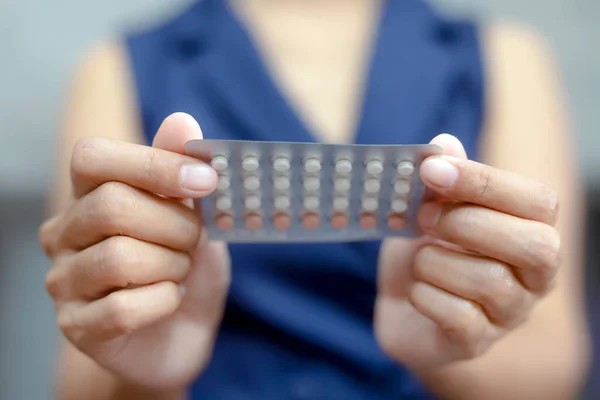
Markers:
point(439, 172)
point(429, 215)
point(197, 177)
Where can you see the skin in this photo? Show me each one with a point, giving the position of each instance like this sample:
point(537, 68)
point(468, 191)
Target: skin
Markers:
point(487, 304)
point(117, 283)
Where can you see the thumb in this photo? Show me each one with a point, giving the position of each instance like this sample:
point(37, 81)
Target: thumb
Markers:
point(435, 171)
point(450, 145)
point(175, 131)
point(205, 287)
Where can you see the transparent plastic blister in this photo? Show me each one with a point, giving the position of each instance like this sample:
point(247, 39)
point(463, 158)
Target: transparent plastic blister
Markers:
point(311, 192)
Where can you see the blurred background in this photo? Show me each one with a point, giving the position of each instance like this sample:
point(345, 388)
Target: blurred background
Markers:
point(40, 42)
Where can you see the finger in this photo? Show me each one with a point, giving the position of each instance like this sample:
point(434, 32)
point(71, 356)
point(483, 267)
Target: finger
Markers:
point(488, 282)
point(531, 247)
point(462, 324)
point(117, 209)
point(119, 313)
point(117, 263)
point(450, 145)
point(99, 160)
point(472, 182)
point(48, 235)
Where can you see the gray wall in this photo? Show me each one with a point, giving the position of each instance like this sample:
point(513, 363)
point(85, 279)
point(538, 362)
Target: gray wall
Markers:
point(39, 43)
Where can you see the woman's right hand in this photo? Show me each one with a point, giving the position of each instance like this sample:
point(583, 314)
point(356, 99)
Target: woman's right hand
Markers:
point(135, 284)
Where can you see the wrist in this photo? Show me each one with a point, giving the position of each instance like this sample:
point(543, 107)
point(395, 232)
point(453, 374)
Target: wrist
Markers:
point(80, 377)
point(124, 390)
point(440, 380)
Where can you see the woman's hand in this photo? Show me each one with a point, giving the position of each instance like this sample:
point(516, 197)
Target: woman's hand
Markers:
point(489, 252)
point(125, 249)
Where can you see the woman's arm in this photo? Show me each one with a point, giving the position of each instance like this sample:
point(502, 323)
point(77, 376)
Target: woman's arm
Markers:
point(528, 133)
point(100, 103)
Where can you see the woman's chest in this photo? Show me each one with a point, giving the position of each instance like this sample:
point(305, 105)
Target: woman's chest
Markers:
point(319, 62)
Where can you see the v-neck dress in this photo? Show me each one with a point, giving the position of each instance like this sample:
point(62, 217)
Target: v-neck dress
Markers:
point(299, 317)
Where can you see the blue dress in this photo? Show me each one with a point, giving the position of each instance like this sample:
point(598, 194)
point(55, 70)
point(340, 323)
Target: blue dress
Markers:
point(299, 317)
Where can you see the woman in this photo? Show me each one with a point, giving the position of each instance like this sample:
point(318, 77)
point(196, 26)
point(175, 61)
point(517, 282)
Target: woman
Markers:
point(398, 319)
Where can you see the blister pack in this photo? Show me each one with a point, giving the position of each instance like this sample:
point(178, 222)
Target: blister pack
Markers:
point(310, 192)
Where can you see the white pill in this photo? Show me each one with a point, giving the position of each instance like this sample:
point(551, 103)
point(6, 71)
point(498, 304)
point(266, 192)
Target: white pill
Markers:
point(372, 186)
point(405, 168)
point(312, 183)
point(223, 183)
point(223, 203)
point(341, 203)
point(370, 204)
point(250, 164)
point(343, 166)
point(311, 202)
point(219, 163)
point(402, 187)
point(252, 202)
point(341, 184)
point(281, 164)
point(312, 165)
point(251, 183)
point(374, 167)
point(282, 202)
point(399, 205)
point(281, 183)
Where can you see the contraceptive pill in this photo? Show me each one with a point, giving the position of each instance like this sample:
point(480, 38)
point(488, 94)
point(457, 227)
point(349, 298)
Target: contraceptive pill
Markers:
point(224, 222)
point(281, 183)
point(282, 221)
point(399, 205)
point(402, 187)
point(253, 222)
point(311, 192)
point(343, 166)
point(282, 202)
point(367, 221)
point(374, 167)
point(249, 163)
point(405, 168)
point(370, 204)
point(312, 165)
point(341, 184)
point(341, 203)
point(223, 203)
point(372, 185)
point(252, 202)
point(223, 183)
point(219, 163)
point(281, 164)
point(312, 183)
point(252, 183)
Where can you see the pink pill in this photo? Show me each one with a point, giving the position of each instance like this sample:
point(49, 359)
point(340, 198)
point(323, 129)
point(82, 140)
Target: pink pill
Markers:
point(367, 221)
point(253, 222)
point(396, 222)
point(282, 221)
point(224, 222)
point(310, 221)
point(339, 220)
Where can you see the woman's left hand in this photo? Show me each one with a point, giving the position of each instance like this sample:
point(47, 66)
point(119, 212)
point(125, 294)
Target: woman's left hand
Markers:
point(489, 253)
